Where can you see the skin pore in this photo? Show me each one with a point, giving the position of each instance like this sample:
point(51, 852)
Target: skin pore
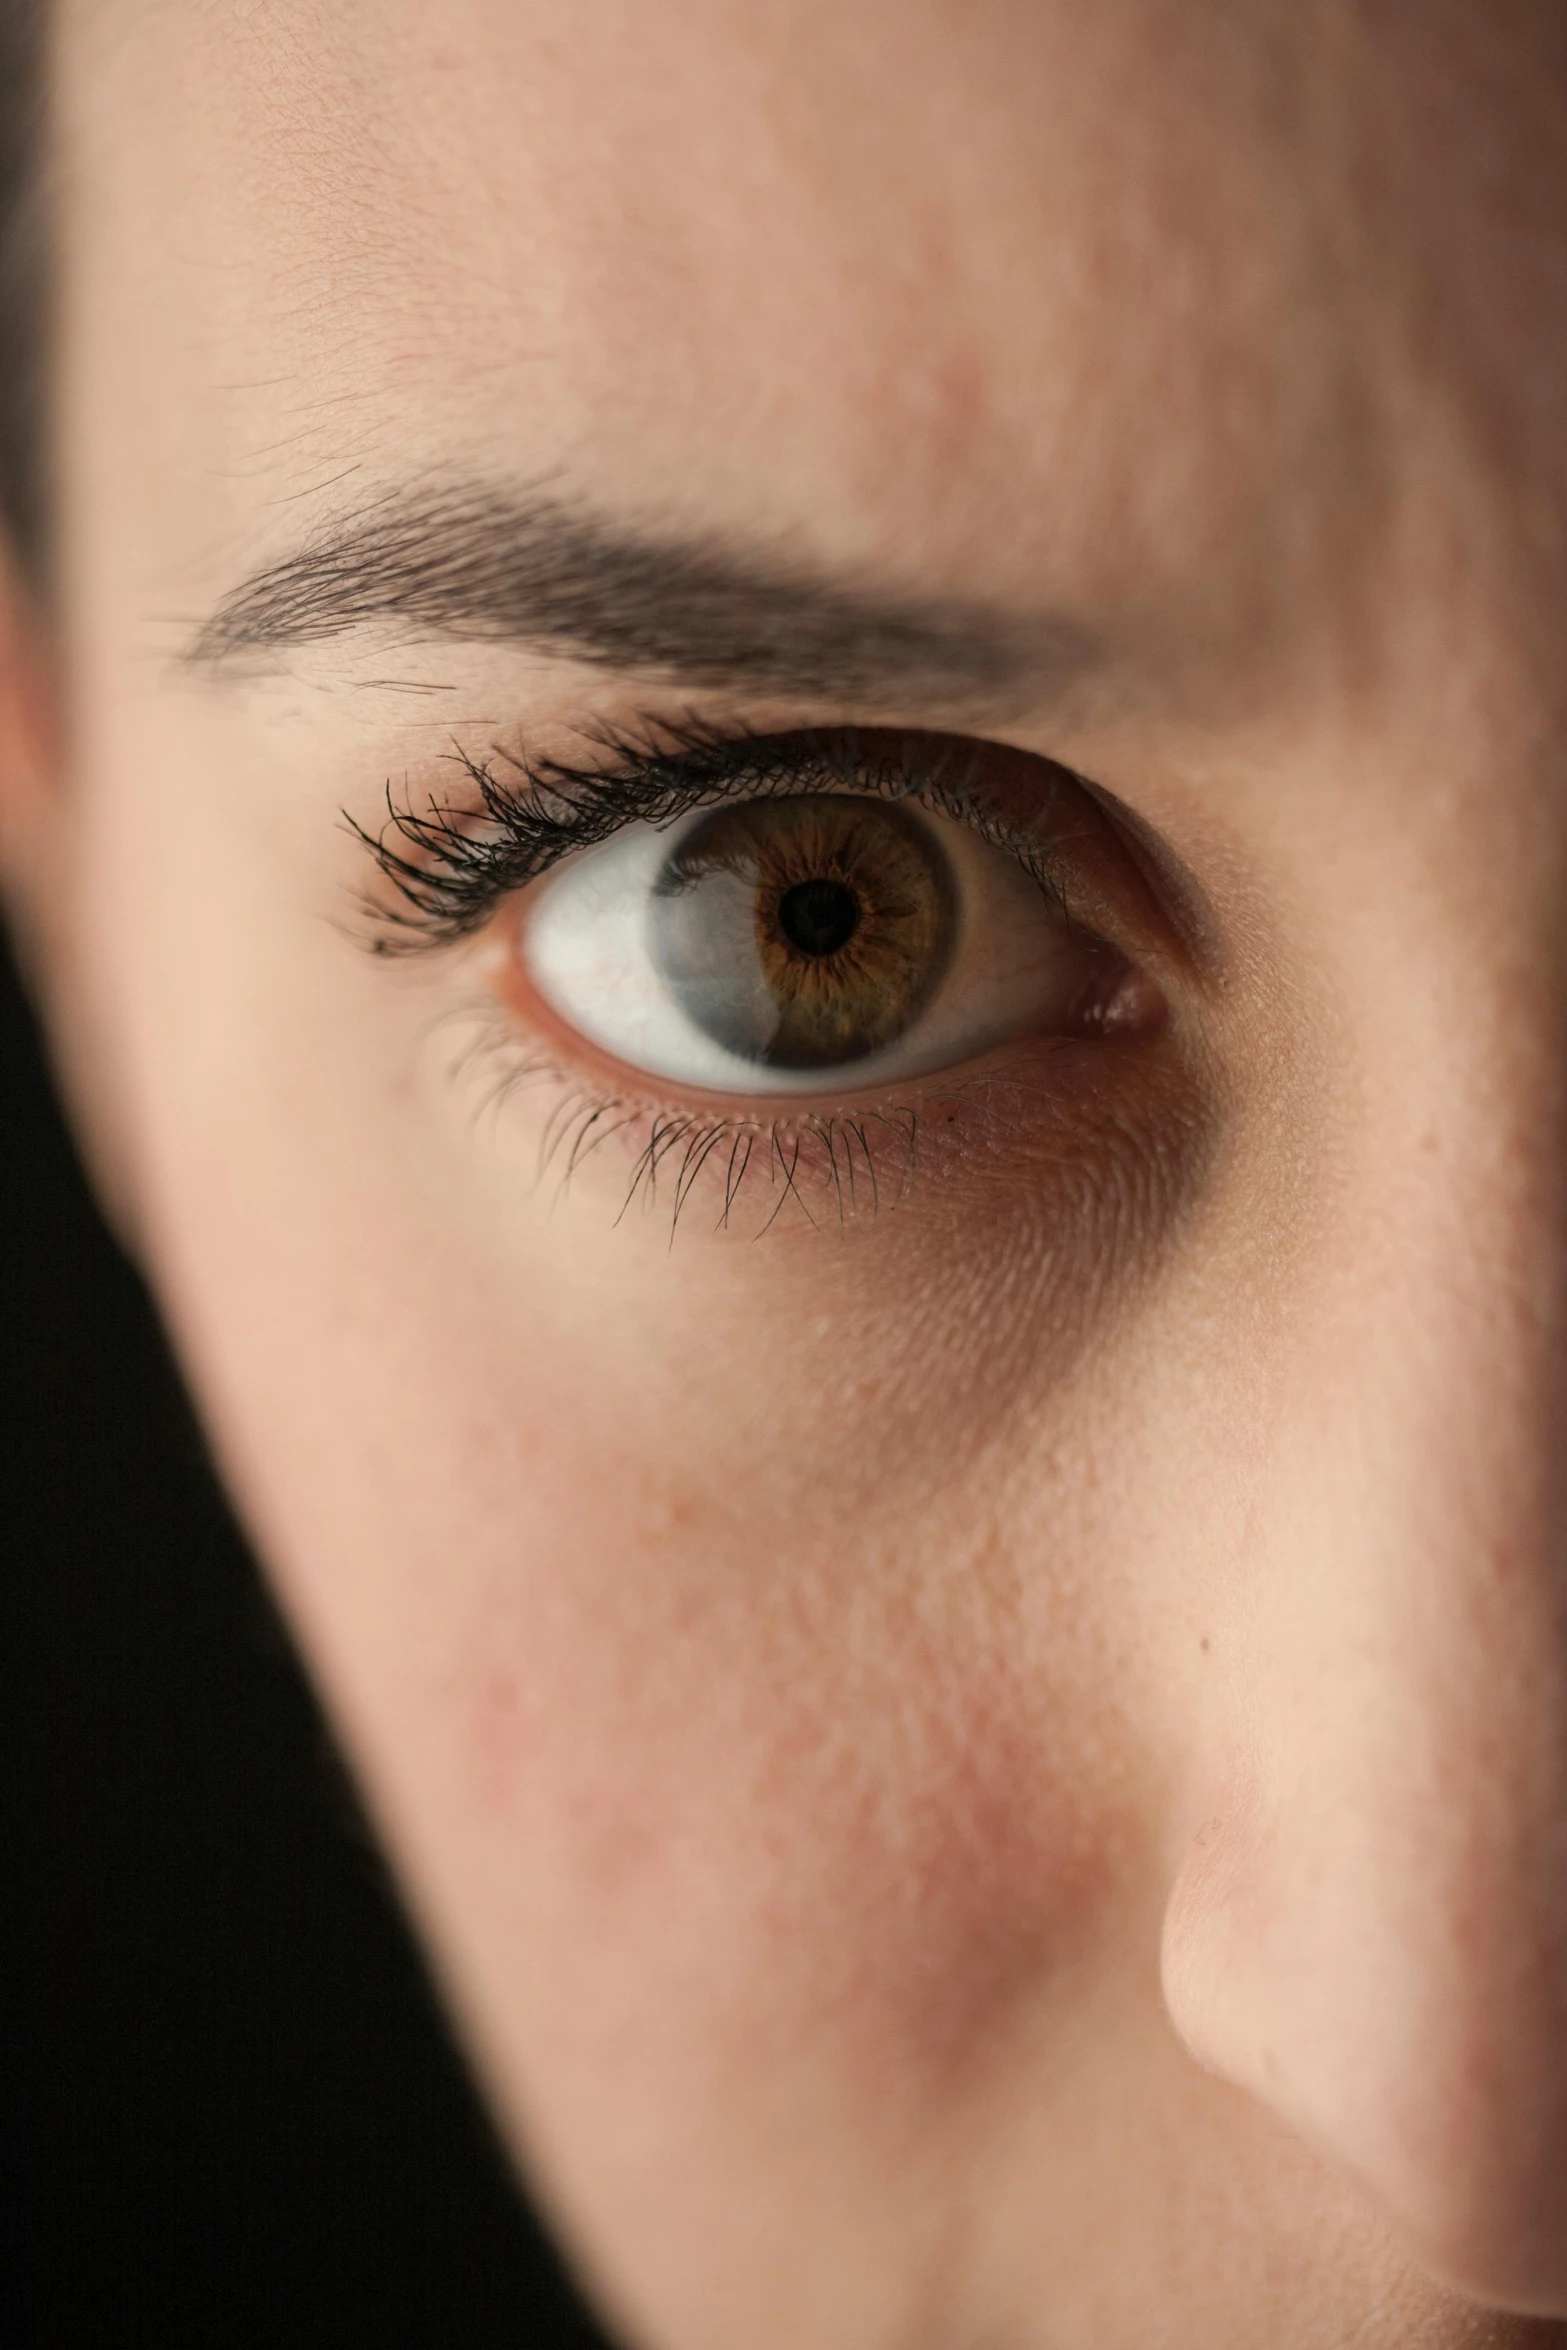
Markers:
point(973, 1719)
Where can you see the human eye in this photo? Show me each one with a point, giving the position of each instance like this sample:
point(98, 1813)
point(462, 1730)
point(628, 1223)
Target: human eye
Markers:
point(760, 933)
point(804, 942)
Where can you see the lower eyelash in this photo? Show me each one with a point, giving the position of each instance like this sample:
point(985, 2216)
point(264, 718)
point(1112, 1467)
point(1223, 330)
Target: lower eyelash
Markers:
point(852, 1162)
point(835, 1156)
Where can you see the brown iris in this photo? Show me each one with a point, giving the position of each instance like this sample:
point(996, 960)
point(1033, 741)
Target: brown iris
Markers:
point(804, 932)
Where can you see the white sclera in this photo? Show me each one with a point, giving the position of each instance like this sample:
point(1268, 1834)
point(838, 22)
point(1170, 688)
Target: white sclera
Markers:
point(1017, 966)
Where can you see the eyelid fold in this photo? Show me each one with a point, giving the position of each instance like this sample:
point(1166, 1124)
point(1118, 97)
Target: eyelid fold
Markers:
point(446, 867)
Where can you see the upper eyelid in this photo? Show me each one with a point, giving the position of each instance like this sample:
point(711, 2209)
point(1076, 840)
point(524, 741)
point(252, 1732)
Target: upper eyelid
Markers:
point(450, 877)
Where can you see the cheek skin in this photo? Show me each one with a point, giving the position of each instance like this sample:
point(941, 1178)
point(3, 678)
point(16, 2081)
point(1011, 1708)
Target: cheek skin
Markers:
point(719, 1802)
point(762, 1842)
point(785, 1851)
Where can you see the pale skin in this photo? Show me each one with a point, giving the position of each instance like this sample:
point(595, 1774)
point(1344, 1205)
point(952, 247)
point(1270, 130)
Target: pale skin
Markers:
point(984, 1771)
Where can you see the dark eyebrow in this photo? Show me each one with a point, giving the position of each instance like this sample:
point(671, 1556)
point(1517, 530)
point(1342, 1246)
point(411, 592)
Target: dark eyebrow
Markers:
point(491, 564)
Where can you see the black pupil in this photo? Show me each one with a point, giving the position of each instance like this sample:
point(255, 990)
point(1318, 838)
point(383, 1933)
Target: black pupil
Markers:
point(819, 917)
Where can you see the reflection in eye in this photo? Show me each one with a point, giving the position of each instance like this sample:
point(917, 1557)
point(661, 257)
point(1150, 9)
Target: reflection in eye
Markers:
point(802, 943)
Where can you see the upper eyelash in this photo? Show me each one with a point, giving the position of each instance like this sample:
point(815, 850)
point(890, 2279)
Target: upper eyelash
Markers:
point(450, 877)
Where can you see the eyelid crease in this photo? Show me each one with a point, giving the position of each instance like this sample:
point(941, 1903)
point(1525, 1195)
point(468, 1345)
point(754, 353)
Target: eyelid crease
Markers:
point(452, 867)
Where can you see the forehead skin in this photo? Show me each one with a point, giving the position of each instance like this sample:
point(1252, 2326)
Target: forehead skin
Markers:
point(804, 1900)
point(761, 269)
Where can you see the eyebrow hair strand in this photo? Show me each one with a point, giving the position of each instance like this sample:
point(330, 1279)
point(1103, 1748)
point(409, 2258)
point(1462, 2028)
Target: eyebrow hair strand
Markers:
point(486, 563)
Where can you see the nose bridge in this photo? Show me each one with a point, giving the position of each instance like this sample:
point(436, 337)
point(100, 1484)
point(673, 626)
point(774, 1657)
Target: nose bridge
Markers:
point(1370, 1928)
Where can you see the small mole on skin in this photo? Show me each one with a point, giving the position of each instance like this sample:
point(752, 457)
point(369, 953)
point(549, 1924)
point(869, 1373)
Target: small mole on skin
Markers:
point(668, 1514)
point(1205, 1644)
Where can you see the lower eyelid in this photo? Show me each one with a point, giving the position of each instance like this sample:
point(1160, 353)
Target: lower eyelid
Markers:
point(1029, 1132)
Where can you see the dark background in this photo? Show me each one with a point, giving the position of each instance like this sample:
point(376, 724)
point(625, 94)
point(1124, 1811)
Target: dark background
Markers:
point(230, 2112)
